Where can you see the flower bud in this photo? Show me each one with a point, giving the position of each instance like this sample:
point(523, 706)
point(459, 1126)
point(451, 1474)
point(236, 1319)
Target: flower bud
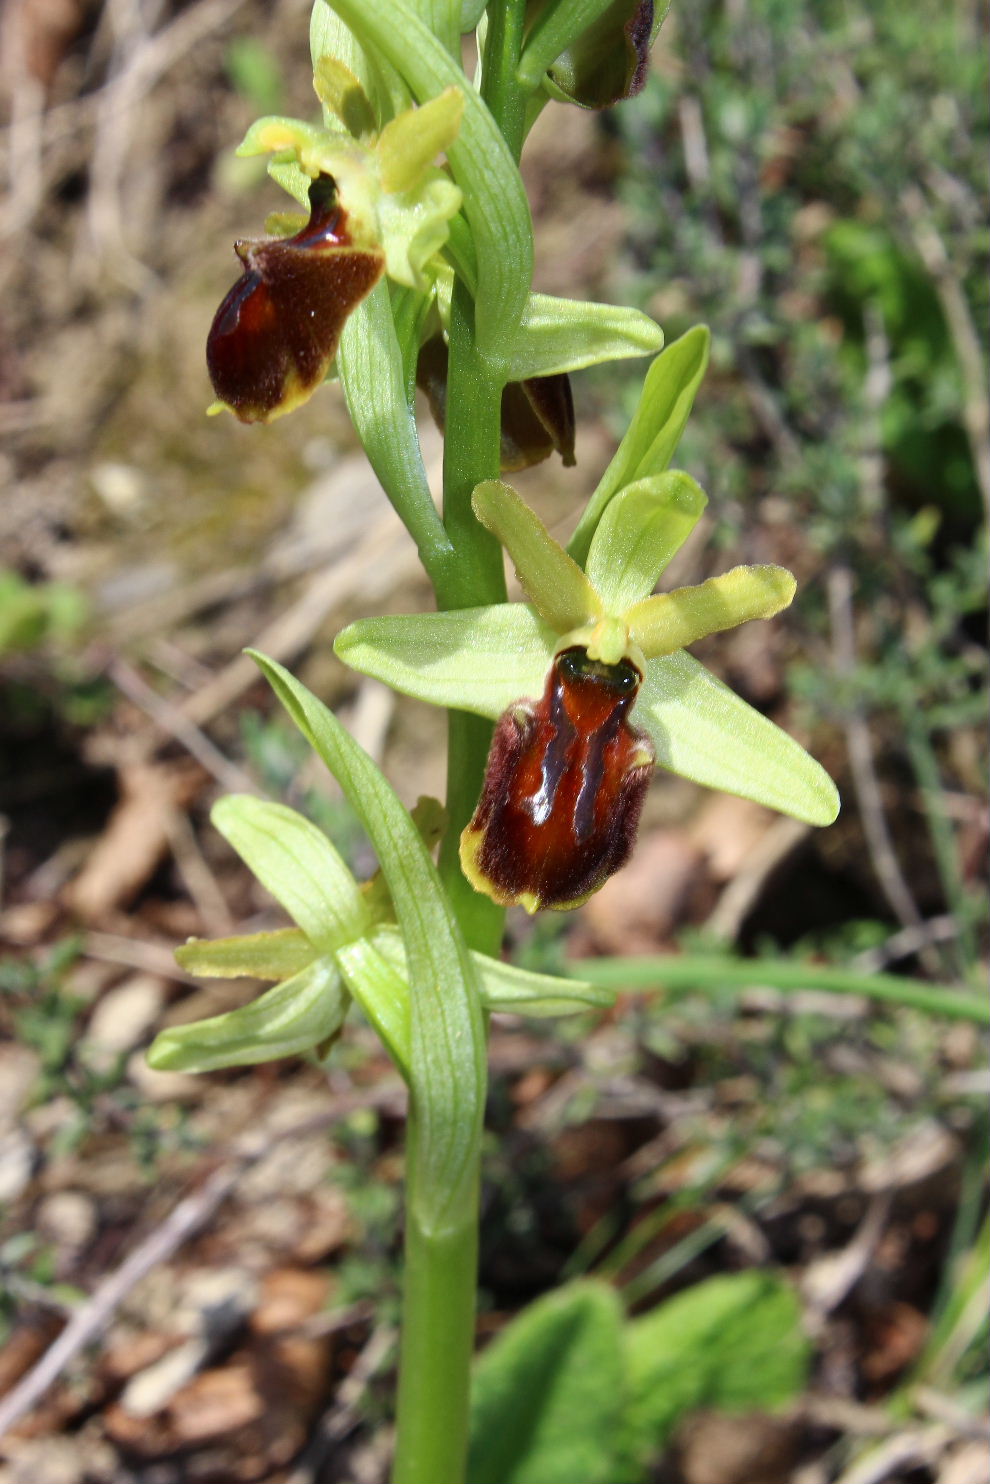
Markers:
point(563, 790)
point(537, 414)
point(608, 61)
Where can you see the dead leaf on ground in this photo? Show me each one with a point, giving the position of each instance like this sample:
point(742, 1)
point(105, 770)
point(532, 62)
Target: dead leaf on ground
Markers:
point(664, 886)
point(136, 837)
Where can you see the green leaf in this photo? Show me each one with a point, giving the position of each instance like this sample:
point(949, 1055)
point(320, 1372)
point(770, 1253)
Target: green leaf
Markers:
point(447, 1064)
point(295, 862)
point(293, 1016)
point(651, 438)
point(276, 955)
point(471, 659)
point(557, 335)
point(547, 1393)
point(640, 530)
point(381, 988)
point(480, 161)
point(732, 1343)
point(704, 731)
point(371, 372)
point(553, 581)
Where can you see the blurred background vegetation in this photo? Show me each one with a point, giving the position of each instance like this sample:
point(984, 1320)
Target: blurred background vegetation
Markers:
point(809, 178)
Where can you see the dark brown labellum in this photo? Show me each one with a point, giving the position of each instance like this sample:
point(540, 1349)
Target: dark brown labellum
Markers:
point(537, 415)
point(275, 334)
point(563, 789)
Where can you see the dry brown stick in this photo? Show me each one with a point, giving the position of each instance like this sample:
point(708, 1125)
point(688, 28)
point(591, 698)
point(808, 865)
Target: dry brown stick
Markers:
point(782, 838)
point(171, 720)
point(134, 953)
point(965, 340)
point(199, 880)
point(92, 1317)
point(859, 744)
point(191, 1213)
point(343, 1416)
point(839, 585)
point(382, 555)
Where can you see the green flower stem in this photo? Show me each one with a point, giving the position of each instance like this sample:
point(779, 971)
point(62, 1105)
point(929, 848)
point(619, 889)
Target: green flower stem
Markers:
point(437, 1342)
point(441, 1266)
point(499, 86)
point(468, 740)
point(692, 971)
point(471, 455)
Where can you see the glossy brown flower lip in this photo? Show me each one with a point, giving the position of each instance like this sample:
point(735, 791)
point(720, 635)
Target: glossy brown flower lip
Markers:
point(563, 790)
point(276, 332)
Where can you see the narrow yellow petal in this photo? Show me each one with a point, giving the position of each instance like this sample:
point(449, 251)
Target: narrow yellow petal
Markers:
point(663, 624)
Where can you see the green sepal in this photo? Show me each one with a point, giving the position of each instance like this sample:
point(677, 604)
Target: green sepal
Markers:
point(276, 134)
point(641, 529)
point(447, 1059)
point(293, 1016)
point(330, 37)
point(469, 659)
point(382, 990)
point(290, 175)
point(284, 223)
point(409, 143)
point(704, 731)
point(652, 436)
point(343, 97)
point(553, 582)
point(671, 621)
point(509, 989)
point(297, 863)
point(518, 991)
point(277, 955)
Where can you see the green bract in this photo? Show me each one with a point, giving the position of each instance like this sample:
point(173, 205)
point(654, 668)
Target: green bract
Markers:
point(486, 659)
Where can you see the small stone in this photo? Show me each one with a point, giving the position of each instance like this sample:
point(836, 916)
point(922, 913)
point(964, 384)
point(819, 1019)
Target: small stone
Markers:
point(19, 1068)
point(162, 1087)
point(67, 1219)
point(16, 1164)
point(121, 1019)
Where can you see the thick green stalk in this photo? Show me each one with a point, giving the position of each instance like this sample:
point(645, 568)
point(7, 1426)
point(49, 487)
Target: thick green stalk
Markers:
point(440, 1266)
point(471, 454)
point(437, 1342)
point(499, 86)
